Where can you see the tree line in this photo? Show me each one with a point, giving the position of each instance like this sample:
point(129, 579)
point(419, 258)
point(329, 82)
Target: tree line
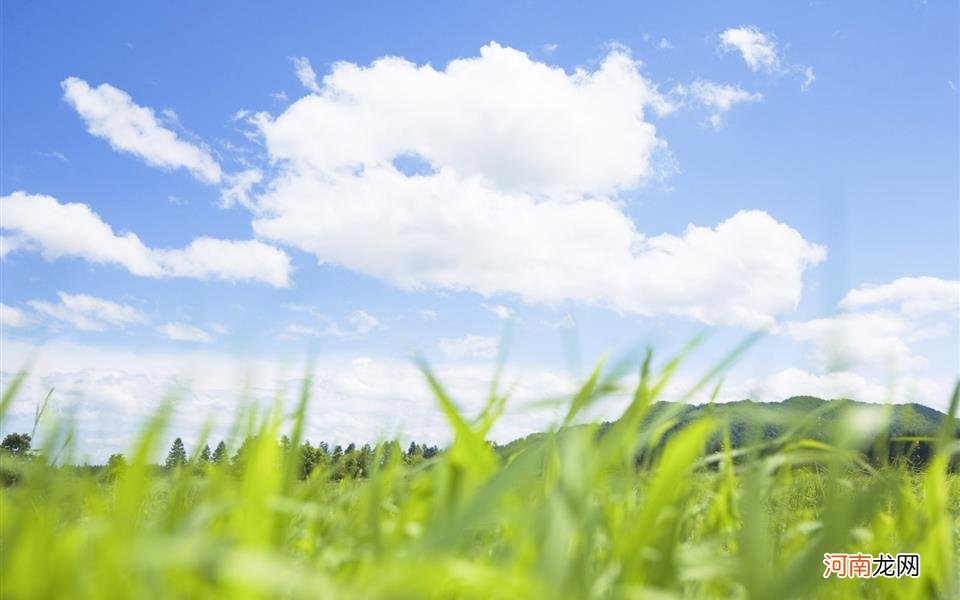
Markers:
point(337, 461)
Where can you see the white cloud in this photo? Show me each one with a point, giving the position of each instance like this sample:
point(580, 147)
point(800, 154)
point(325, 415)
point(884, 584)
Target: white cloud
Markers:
point(57, 155)
point(564, 322)
point(873, 339)
point(88, 313)
point(761, 53)
point(306, 74)
point(501, 116)
point(914, 296)
point(428, 315)
point(362, 321)
point(183, 332)
point(10, 316)
point(56, 230)
point(8, 245)
point(549, 49)
point(758, 49)
point(217, 327)
point(238, 188)
point(931, 392)
point(111, 114)
point(525, 161)
point(501, 311)
point(808, 78)
point(358, 323)
point(879, 325)
point(108, 393)
point(664, 44)
point(469, 346)
point(718, 98)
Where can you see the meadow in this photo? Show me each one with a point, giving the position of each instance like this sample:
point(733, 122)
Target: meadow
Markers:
point(650, 505)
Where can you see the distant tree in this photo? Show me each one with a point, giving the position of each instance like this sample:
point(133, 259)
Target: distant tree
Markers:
point(205, 456)
point(116, 465)
point(116, 461)
point(414, 454)
point(311, 458)
point(177, 456)
point(16, 443)
point(220, 453)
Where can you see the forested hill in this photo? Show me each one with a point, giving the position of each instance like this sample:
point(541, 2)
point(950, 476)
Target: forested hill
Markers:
point(800, 417)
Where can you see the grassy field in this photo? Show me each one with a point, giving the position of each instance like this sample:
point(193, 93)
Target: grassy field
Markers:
point(569, 514)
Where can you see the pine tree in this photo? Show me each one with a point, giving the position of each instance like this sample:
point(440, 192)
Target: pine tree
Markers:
point(177, 456)
point(220, 454)
point(205, 454)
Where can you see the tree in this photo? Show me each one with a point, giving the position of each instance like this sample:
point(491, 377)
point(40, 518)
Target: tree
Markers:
point(205, 454)
point(116, 465)
point(177, 457)
point(220, 454)
point(116, 461)
point(16, 443)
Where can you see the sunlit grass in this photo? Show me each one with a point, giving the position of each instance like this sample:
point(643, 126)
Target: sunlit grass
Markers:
point(644, 510)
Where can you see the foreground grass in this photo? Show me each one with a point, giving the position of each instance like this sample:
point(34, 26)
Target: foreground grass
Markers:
point(571, 514)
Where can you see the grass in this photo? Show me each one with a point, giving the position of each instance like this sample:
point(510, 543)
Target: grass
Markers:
point(570, 514)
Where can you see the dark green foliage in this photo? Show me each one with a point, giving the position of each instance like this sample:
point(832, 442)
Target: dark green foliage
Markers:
point(177, 457)
point(220, 453)
point(16, 443)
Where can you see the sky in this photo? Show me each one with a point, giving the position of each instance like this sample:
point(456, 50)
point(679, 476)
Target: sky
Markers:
point(212, 200)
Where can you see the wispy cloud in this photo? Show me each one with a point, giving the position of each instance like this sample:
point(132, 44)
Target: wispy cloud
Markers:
point(305, 73)
point(718, 98)
point(469, 346)
point(87, 313)
point(358, 323)
point(761, 52)
point(111, 114)
point(183, 332)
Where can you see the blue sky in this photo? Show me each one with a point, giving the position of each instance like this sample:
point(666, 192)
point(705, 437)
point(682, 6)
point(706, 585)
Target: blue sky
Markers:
point(601, 176)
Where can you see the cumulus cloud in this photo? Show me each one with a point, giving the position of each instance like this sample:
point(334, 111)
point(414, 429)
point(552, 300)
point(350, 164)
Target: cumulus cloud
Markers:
point(519, 195)
point(88, 313)
point(879, 325)
point(469, 346)
point(522, 125)
point(305, 73)
point(913, 296)
point(57, 230)
point(11, 316)
point(875, 338)
point(111, 114)
point(718, 98)
point(183, 332)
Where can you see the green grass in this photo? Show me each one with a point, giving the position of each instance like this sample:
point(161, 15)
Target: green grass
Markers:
point(569, 514)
